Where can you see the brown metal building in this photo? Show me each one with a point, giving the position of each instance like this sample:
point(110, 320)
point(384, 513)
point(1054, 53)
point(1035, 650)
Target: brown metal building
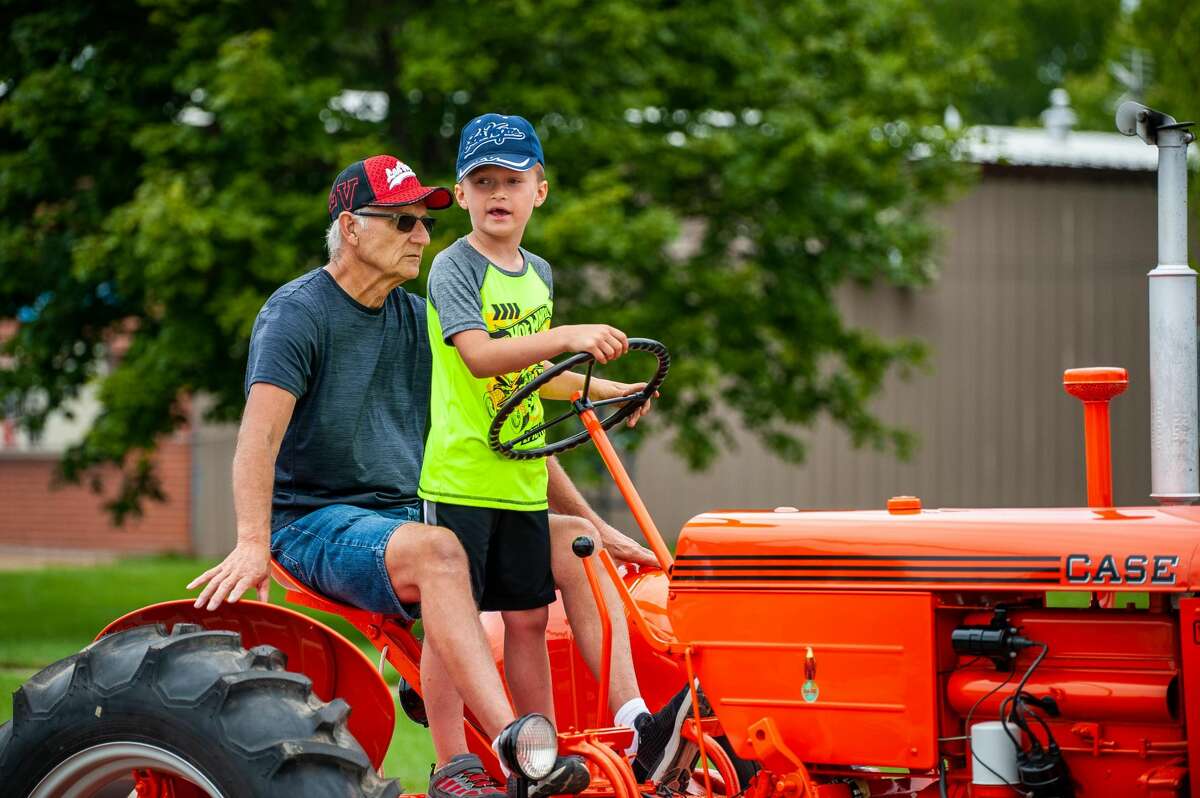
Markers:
point(1044, 268)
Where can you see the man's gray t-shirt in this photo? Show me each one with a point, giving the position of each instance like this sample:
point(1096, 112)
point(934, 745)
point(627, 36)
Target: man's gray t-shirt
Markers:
point(361, 380)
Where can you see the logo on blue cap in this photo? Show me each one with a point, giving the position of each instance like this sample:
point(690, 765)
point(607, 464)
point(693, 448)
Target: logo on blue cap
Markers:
point(507, 141)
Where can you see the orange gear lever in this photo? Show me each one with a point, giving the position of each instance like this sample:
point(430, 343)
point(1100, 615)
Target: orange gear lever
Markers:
point(1096, 387)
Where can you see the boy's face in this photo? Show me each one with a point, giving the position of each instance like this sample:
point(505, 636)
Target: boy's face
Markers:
point(500, 201)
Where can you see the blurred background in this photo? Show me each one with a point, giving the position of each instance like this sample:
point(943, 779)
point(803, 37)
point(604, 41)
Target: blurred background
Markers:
point(872, 233)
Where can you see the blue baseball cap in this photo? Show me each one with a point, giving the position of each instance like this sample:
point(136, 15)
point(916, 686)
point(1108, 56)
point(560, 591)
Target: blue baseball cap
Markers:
point(507, 141)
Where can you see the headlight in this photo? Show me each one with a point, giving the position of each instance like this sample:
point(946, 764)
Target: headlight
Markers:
point(530, 746)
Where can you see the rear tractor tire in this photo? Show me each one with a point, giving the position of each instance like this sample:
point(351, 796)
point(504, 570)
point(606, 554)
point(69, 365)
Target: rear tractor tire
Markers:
point(191, 706)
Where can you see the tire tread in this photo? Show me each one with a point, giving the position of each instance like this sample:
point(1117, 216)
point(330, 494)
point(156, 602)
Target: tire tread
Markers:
point(203, 678)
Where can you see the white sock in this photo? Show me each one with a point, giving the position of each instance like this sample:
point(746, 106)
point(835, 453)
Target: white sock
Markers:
point(625, 716)
point(503, 767)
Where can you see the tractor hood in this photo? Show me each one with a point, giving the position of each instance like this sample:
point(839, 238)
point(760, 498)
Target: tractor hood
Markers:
point(1136, 549)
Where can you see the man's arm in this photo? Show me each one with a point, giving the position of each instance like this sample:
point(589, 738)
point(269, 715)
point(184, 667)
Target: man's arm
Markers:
point(264, 422)
point(487, 357)
point(565, 499)
point(564, 386)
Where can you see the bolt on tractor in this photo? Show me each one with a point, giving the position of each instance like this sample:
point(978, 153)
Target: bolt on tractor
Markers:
point(896, 652)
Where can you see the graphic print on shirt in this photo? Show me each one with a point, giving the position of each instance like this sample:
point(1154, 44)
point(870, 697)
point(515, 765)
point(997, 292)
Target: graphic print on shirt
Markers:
point(507, 320)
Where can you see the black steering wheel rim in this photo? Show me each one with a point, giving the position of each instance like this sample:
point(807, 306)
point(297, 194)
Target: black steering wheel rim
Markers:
point(507, 449)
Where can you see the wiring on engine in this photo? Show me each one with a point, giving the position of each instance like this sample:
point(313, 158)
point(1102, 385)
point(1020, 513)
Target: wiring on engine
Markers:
point(1016, 715)
point(1015, 788)
point(1021, 706)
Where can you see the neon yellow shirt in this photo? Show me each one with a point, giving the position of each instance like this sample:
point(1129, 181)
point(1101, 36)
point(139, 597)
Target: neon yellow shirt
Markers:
point(467, 292)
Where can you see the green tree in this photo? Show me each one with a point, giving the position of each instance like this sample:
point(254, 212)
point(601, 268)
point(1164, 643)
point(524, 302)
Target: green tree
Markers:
point(164, 166)
point(1164, 33)
point(1152, 44)
point(1028, 46)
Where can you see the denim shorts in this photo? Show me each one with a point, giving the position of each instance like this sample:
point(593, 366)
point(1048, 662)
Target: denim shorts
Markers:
point(338, 551)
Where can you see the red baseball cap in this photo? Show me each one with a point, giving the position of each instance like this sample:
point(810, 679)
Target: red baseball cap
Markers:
point(383, 180)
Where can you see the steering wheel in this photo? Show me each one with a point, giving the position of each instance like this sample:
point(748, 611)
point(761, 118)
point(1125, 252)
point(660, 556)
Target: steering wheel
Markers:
point(628, 404)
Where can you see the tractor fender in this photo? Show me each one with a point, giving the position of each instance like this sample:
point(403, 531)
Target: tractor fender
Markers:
point(337, 668)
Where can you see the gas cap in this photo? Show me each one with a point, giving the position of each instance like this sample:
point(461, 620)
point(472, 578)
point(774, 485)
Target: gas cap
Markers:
point(904, 505)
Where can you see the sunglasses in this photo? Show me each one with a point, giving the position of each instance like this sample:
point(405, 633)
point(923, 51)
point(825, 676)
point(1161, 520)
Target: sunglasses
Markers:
point(404, 222)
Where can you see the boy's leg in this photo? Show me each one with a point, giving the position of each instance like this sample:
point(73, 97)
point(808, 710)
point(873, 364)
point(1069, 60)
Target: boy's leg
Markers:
point(527, 662)
point(520, 586)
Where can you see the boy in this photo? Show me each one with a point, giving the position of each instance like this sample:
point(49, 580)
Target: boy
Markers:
point(490, 305)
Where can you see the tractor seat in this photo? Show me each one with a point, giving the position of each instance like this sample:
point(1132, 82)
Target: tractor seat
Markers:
point(302, 594)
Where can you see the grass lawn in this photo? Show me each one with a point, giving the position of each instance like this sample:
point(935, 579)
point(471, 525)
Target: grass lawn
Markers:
point(48, 614)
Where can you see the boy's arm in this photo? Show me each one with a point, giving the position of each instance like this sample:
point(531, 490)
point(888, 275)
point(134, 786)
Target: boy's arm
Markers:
point(565, 499)
point(564, 386)
point(488, 357)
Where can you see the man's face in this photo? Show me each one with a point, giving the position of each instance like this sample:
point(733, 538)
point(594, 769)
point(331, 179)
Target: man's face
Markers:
point(395, 253)
point(500, 200)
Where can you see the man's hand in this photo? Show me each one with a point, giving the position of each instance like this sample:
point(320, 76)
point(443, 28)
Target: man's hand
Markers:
point(624, 549)
point(610, 389)
point(604, 342)
point(247, 566)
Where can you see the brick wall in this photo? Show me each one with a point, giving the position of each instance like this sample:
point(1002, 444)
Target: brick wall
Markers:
point(34, 512)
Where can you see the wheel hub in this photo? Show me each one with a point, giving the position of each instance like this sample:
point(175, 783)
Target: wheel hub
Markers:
point(120, 769)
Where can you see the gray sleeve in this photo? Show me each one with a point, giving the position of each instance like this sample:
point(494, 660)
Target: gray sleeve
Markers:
point(542, 267)
point(283, 347)
point(454, 292)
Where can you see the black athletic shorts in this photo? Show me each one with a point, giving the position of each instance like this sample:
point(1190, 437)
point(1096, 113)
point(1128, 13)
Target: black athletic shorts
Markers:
point(508, 552)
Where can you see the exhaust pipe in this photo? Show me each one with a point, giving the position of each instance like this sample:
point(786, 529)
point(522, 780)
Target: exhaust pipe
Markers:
point(1174, 439)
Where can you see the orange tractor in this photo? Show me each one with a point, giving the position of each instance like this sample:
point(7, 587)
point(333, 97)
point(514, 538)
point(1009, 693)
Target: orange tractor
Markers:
point(895, 652)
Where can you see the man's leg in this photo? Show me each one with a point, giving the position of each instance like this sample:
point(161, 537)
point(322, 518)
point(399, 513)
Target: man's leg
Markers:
point(382, 561)
point(581, 609)
point(527, 662)
point(443, 707)
point(427, 564)
point(662, 754)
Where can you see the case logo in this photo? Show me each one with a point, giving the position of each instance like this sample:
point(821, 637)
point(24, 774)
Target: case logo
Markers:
point(1136, 569)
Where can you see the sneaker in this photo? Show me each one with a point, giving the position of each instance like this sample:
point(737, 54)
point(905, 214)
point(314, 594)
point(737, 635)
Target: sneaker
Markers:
point(569, 777)
point(663, 756)
point(463, 777)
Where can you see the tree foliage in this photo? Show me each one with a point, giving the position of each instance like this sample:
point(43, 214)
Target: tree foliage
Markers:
point(1027, 47)
point(1163, 34)
point(1151, 43)
point(717, 170)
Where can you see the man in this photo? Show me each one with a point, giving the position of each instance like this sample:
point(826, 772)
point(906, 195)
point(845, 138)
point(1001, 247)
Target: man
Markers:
point(329, 455)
